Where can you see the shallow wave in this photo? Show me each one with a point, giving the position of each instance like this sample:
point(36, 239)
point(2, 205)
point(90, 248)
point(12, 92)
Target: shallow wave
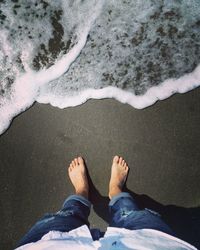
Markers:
point(153, 94)
point(66, 52)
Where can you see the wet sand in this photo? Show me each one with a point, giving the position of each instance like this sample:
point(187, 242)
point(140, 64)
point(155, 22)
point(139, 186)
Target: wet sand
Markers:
point(160, 143)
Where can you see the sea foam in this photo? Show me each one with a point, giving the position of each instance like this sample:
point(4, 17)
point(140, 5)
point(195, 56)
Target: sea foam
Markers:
point(66, 52)
point(154, 94)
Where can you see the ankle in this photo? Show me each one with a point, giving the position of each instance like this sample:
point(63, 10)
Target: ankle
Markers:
point(114, 191)
point(83, 193)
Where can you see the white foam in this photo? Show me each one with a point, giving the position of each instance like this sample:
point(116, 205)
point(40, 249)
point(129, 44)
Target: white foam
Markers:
point(95, 62)
point(29, 90)
point(160, 92)
point(29, 94)
point(26, 87)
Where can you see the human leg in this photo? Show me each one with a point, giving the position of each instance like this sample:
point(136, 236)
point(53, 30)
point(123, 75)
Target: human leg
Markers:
point(74, 212)
point(124, 211)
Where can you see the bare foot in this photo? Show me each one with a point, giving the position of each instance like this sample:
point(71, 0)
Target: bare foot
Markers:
point(78, 176)
point(119, 172)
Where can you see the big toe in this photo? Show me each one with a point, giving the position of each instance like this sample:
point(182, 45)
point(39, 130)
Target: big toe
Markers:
point(80, 160)
point(116, 159)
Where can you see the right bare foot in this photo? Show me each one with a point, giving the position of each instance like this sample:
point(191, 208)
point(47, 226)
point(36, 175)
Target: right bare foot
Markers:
point(119, 172)
point(78, 176)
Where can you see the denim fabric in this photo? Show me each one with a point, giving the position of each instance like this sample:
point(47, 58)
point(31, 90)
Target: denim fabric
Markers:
point(124, 213)
point(74, 213)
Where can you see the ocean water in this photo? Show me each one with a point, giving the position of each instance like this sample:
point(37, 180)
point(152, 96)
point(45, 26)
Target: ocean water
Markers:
point(65, 52)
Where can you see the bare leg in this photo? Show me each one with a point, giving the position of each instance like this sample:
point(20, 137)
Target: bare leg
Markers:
point(124, 211)
point(78, 177)
point(74, 212)
point(119, 172)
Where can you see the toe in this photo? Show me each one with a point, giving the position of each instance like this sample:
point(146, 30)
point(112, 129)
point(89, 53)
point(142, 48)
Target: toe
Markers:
point(70, 168)
point(76, 161)
point(80, 160)
point(123, 162)
point(120, 160)
point(116, 158)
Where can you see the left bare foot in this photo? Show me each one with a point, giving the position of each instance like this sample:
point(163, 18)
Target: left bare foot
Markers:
point(119, 172)
point(78, 176)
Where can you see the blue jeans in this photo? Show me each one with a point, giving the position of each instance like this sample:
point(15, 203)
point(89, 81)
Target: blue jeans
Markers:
point(124, 213)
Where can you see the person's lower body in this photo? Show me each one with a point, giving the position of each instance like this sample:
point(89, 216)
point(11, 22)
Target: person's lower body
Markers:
point(74, 213)
point(124, 213)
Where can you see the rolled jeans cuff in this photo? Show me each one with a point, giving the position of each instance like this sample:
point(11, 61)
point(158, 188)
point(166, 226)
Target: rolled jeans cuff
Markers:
point(80, 198)
point(118, 196)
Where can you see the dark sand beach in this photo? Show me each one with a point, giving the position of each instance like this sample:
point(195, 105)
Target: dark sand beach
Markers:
point(160, 143)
